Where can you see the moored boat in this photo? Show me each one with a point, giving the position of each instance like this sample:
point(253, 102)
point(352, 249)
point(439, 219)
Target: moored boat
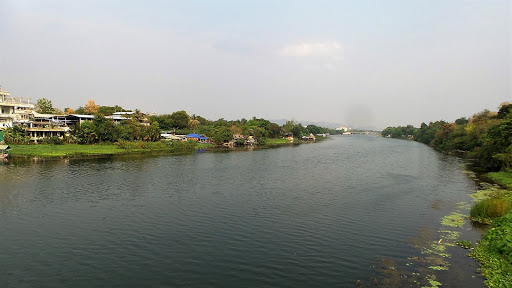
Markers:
point(4, 154)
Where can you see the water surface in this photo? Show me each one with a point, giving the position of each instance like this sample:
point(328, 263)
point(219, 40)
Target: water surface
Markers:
point(317, 215)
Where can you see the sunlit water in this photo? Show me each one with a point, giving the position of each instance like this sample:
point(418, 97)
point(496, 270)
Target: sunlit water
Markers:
point(316, 215)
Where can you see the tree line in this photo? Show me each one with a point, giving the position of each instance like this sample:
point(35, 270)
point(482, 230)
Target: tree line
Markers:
point(139, 127)
point(485, 137)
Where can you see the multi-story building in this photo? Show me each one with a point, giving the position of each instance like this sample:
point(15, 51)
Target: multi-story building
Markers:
point(14, 110)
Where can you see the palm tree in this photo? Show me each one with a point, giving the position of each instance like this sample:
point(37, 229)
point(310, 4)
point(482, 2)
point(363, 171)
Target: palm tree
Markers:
point(193, 123)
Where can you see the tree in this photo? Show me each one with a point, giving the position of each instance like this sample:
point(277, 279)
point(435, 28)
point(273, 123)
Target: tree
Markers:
point(44, 106)
point(16, 135)
point(105, 129)
point(68, 111)
point(164, 121)
point(91, 107)
point(497, 143)
point(180, 119)
point(83, 133)
point(462, 121)
point(505, 111)
point(57, 111)
point(151, 132)
point(193, 123)
point(222, 134)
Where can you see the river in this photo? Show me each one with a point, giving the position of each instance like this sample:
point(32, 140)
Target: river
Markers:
point(349, 211)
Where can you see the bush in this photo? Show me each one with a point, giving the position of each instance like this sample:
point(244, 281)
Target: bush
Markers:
point(491, 208)
point(54, 140)
point(183, 145)
point(495, 253)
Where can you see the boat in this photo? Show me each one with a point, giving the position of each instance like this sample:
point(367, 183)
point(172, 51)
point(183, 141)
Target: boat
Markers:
point(4, 154)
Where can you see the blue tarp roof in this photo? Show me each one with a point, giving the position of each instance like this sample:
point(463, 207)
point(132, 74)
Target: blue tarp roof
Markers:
point(193, 135)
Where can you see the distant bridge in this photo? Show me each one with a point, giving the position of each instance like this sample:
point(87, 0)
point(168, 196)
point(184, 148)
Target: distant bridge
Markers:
point(374, 133)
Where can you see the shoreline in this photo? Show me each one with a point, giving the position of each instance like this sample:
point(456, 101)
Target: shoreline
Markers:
point(94, 151)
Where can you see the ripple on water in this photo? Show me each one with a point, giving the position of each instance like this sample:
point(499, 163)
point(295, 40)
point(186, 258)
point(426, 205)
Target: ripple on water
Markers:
point(309, 216)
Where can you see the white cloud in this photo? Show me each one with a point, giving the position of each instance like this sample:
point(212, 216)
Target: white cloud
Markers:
point(330, 48)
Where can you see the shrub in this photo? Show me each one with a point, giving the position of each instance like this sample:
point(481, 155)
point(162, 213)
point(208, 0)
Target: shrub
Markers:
point(491, 208)
point(54, 140)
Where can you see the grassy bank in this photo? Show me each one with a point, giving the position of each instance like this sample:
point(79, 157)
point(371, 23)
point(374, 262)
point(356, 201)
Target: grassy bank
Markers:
point(77, 150)
point(503, 178)
point(277, 141)
point(494, 252)
point(118, 148)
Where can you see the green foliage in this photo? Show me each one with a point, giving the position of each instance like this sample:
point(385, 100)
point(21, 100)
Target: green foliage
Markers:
point(505, 111)
point(66, 150)
point(16, 135)
point(102, 130)
point(491, 208)
point(54, 140)
point(464, 244)
point(180, 119)
point(495, 253)
point(44, 106)
point(462, 121)
point(222, 134)
point(485, 136)
point(183, 145)
point(453, 220)
point(426, 133)
point(497, 147)
point(109, 110)
point(504, 178)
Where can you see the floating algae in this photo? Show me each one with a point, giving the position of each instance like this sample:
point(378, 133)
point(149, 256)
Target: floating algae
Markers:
point(455, 219)
point(432, 281)
point(489, 191)
point(438, 268)
point(450, 235)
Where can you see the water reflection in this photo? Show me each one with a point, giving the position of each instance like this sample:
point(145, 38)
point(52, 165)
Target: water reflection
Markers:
point(320, 215)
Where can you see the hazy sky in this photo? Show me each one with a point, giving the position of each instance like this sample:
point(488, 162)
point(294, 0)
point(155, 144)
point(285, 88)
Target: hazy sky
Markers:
point(359, 63)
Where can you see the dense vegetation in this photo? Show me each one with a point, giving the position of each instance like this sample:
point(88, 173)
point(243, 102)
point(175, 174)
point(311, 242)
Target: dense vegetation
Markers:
point(140, 127)
point(486, 138)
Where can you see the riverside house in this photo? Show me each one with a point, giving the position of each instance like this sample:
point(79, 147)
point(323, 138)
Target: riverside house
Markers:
point(197, 137)
point(14, 110)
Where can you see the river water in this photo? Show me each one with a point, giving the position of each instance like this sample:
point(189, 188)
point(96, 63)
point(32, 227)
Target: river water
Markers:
point(350, 211)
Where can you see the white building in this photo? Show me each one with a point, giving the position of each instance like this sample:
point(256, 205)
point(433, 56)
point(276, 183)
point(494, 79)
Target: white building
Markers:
point(13, 110)
point(346, 129)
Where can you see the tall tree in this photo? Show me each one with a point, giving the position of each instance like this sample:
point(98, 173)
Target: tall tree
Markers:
point(193, 123)
point(180, 119)
point(91, 107)
point(44, 106)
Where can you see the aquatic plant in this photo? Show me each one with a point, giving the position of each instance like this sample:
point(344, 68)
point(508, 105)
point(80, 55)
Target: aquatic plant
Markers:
point(455, 219)
point(491, 208)
point(490, 191)
point(495, 253)
point(464, 244)
point(438, 268)
point(431, 279)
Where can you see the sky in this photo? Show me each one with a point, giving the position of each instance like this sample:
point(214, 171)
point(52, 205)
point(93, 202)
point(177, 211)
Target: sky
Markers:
point(359, 63)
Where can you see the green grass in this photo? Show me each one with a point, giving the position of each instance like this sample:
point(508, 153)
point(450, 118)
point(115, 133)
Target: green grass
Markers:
point(504, 178)
point(491, 208)
point(123, 147)
point(495, 253)
point(67, 150)
point(277, 141)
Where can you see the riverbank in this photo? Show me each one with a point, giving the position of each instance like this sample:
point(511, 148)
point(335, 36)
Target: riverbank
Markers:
point(119, 148)
point(79, 151)
point(494, 251)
